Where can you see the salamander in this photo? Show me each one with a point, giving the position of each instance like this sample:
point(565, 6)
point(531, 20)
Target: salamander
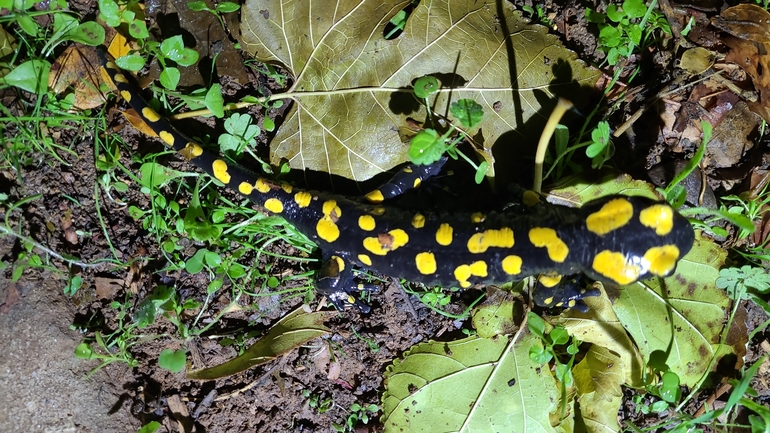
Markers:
point(616, 239)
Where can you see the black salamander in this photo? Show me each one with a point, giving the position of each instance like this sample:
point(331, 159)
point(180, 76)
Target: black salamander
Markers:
point(616, 239)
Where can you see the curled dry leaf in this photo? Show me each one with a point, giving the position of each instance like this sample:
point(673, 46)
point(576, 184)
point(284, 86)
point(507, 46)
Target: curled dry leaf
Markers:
point(748, 22)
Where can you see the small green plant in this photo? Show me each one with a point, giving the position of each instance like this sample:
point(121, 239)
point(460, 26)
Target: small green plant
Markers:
point(436, 297)
point(558, 336)
point(315, 401)
point(113, 347)
point(164, 301)
point(172, 360)
point(356, 413)
point(241, 134)
point(427, 146)
point(373, 346)
point(221, 8)
point(537, 15)
point(746, 283)
point(150, 427)
point(622, 29)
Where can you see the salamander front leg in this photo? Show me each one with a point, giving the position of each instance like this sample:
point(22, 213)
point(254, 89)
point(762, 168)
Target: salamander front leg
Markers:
point(411, 176)
point(335, 281)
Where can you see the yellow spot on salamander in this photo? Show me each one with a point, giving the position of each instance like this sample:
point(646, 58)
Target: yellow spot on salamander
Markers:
point(191, 150)
point(331, 209)
point(274, 205)
point(408, 169)
point(120, 78)
point(463, 272)
point(150, 114)
point(386, 242)
point(363, 258)
point(499, 238)
point(303, 199)
point(340, 263)
point(262, 186)
point(287, 188)
point(327, 229)
point(219, 167)
point(426, 263)
point(478, 217)
point(375, 196)
point(547, 237)
point(659, 217)
point(662, 260)
point(126, 95)
point(112, 65)
point(444, 234)
point(614, 214)
point(549, 280)
point(512, 265)
point(377, 211)
point(417, 182)
point(530, 198)
point(245, 188)
point(613, 265)
point(366, 222)
point(167, 137)
point(418, 221)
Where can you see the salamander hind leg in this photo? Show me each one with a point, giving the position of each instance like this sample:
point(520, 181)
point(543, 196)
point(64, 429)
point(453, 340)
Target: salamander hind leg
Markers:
point(556, 291)
point(335, 281)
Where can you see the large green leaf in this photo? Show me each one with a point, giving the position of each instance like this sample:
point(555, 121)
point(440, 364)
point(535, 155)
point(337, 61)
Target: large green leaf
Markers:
point(680, 319)
point(349, 82)
point(471, 385)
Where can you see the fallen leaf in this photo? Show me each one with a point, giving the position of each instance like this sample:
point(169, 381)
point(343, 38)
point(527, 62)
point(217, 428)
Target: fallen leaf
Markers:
point(351, 86)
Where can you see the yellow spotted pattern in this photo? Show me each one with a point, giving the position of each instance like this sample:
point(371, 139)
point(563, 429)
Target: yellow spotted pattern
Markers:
point(262, 186)
point(167, 137)
point(274, 205)
point(659, 217)
point(303, 198)
point(548, 238)
point(512, 264)
point(478, 217)
point(120, 78)
point(613, 265)
point(191, 150)
point(416, 183)
point(287, 188)
point(366, 222)
point(363, 258)
point(662, 260)
point(386, 242)
point(326, 227)
point(340, 263)
point(418, 221)
point(375, 196)
point(245, 188)
point(126, 95)
point(219, 167)
point(150, 114)
point(377, 211)
point(491, 238)
point(463, 272)
point(549, 280)
point(613, 215)
point(444, 234)
point(425, 263)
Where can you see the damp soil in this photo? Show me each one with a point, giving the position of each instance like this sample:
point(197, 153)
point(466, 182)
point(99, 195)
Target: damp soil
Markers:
point(45, 388)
